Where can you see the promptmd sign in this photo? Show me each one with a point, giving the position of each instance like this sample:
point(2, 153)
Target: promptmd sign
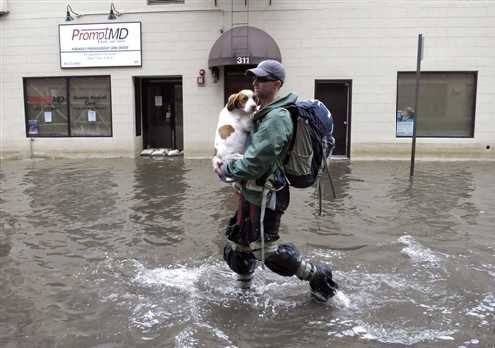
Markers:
point(100, 45)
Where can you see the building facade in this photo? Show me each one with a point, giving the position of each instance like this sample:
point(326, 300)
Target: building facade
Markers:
point(97, 79)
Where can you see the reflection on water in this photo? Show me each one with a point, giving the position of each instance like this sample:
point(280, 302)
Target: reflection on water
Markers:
point(159, 187)
point(127, 253)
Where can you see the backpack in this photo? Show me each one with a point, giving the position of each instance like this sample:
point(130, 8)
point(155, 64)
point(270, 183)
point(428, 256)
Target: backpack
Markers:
point(311, 143)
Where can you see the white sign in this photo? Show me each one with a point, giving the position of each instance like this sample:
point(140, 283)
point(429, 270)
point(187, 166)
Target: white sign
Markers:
point(158, 100)
point(405, 129)
point(100, 45)
point(91, 116)
point(48, 116)
point(405, 124)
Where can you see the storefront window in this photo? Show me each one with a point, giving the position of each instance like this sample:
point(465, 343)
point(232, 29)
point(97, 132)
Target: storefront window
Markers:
point(90, 107)
point(446, 104)
point(46, 107)
point(68, 106)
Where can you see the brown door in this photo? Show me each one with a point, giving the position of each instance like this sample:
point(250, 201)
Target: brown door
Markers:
point(162, 113)
point(235, 80)
point(336, 95)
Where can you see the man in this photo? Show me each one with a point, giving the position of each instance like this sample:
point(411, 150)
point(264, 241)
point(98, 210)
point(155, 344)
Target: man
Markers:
point(265, 191)
point(407, 115)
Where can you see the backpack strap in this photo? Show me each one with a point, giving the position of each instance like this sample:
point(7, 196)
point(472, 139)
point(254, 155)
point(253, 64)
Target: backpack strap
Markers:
point(324, 167)
point(328, 171)
point(268, 179)
point(291, 109)
point(262, 224)
point(320, 194)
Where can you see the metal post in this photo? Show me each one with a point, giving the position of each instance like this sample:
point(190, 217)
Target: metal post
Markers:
point(416, 102)
point(31, 140)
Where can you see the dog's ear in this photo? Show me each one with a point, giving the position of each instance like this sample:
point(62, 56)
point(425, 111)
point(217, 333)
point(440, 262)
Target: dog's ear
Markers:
point(232, 102)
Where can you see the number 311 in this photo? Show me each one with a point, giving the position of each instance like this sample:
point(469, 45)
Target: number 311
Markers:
point(242, 60)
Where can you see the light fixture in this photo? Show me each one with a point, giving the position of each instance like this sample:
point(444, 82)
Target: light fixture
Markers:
point(68, 16)
point(113, 12)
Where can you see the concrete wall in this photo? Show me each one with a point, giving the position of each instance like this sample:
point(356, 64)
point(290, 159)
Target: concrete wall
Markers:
point(175, 41)
point(365, 41)
point(369, 42)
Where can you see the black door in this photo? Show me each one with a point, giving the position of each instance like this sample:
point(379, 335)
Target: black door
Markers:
point(162, 113)
point(336, 95)
point(235, 80)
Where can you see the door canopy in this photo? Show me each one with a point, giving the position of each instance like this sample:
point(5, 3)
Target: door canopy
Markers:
point(242, 46)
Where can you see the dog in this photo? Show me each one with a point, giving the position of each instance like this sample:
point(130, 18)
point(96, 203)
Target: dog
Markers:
point(234, 125)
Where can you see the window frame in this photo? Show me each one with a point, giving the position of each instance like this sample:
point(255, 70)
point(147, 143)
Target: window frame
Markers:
point(474, 73)
point(164, 2)
point(67, 79)
point(138, 104)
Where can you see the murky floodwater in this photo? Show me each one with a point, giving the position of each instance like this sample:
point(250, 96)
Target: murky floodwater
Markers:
point(127, 253)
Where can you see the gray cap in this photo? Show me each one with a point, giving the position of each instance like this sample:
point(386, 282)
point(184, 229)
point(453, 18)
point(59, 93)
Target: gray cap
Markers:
point(268, 68)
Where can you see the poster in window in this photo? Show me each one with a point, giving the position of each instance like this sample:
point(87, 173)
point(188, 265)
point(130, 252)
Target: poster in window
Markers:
point(405, 122)
point(91, 116)
point(48, 116)
point(33, 128)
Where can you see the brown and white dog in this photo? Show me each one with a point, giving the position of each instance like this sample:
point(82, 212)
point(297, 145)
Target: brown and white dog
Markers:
point(234, 125)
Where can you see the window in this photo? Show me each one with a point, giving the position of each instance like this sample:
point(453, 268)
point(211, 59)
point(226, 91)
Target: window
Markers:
point(446, 104)
point(68, 106)
point(90, 107)
point(46, 107)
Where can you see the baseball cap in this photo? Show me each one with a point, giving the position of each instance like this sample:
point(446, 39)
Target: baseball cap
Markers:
point(268, 68)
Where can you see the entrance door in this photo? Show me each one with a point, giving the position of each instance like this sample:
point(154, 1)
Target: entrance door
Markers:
point(336, 95)
point(235, 80)
point(162, 113)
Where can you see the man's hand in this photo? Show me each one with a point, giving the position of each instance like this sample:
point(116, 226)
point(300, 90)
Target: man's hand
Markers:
point(217, 164)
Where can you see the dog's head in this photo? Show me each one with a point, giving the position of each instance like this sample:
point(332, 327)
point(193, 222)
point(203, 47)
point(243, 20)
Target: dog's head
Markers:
point(244, 100)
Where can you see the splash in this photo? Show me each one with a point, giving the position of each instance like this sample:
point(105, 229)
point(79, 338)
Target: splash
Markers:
point(484, 311)
point(341, 300)
point(214, 283)
point(399, 336)
point(326, 254)
point(180, 277)
point(185, 339)
point(417, 252)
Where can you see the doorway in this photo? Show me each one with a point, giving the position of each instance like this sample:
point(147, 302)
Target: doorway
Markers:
point(161, 110)
point(235, 80)
point(337, 95)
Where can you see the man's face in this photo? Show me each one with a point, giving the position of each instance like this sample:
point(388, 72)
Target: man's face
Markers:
point(265, 88)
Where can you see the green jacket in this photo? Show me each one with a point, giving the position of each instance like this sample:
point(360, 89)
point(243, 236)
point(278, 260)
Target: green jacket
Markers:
point(269, 141)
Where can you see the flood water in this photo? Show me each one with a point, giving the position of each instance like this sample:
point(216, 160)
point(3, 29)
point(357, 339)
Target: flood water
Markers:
point(127, 253)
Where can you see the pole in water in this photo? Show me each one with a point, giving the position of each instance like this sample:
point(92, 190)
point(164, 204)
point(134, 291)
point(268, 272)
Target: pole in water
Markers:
point(31, 139)
point(416, 102)
point(330, 179)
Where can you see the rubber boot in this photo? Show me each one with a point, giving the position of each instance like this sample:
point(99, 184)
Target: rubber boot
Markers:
point(242, 263)
point(320, 280)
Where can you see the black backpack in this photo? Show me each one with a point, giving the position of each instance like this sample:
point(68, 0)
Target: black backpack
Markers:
point(311, 144)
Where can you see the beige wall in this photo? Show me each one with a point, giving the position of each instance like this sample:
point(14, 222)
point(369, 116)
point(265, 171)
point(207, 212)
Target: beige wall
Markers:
point(365, 41)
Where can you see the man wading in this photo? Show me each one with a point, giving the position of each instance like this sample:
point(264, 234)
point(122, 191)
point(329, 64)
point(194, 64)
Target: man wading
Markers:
point(263, 183)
